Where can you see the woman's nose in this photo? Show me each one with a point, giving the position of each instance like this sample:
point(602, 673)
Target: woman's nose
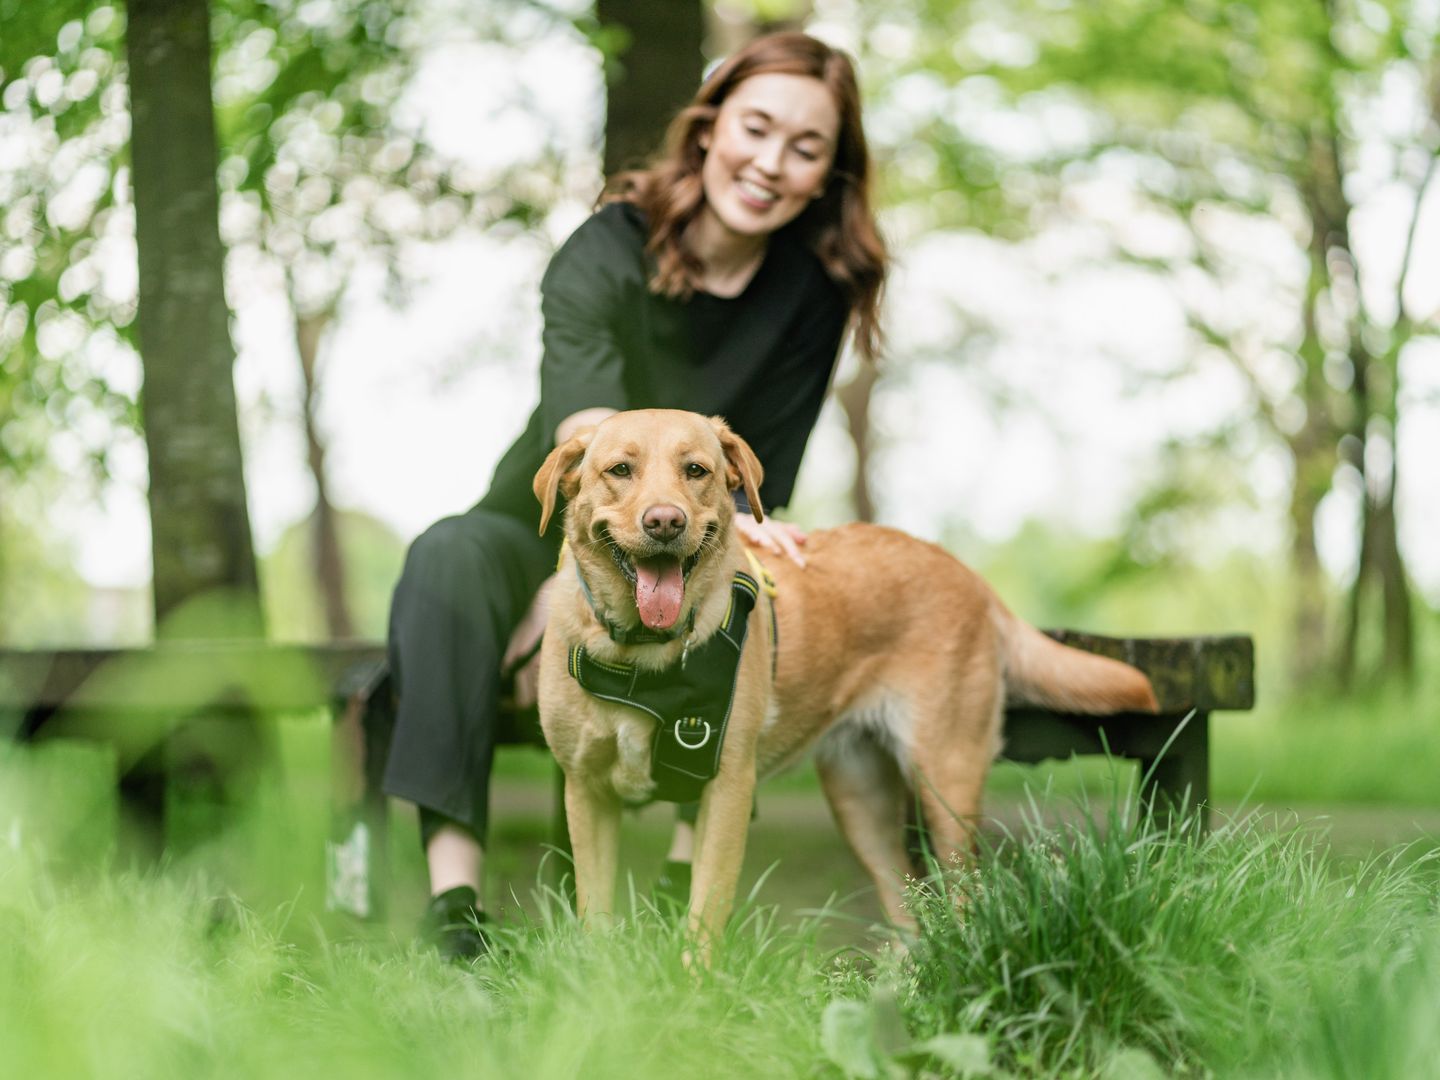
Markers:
point(767, 157)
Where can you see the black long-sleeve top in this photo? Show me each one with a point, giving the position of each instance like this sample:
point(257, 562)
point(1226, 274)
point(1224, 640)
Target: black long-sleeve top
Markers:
point(762, 359)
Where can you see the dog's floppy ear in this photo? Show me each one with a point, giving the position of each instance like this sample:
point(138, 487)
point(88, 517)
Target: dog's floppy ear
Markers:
point(560, 473)
point(742, 467)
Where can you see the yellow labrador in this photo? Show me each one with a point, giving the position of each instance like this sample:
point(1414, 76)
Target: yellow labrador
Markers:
point(892, 659)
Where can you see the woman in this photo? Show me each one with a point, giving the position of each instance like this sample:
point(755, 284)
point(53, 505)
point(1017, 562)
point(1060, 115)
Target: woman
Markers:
point(722, 280)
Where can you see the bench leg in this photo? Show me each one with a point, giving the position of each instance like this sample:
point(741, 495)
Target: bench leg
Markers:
point(355, 856)
point(1180, 780)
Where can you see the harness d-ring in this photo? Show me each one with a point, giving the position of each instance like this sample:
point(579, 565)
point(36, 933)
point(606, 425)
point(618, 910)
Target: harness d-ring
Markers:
point(692, 746)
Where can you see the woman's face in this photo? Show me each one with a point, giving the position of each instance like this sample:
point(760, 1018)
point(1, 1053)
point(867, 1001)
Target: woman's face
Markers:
point(768, 152)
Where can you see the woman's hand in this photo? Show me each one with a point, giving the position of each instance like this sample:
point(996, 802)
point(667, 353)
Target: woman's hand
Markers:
point(776, 537)
point(522, 650)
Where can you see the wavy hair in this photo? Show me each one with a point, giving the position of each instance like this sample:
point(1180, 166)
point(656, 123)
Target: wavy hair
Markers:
point(839, 226)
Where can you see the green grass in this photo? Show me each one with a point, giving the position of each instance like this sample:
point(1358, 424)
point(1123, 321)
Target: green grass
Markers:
point(1113, 934)
point(165, 975)
point(1104, 947)
point(1376, 747)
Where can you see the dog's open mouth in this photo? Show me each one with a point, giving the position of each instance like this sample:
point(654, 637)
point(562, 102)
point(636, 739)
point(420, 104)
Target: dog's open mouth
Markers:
point(658, 579)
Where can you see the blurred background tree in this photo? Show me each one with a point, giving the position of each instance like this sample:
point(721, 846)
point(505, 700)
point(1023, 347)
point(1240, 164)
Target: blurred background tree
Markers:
point(1222, 149)
point(199, 515)
point(318, 178)
point(1213, 156)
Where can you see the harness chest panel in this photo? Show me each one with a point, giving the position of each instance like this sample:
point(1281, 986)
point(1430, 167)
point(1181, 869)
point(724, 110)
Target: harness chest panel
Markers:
point(690, 700)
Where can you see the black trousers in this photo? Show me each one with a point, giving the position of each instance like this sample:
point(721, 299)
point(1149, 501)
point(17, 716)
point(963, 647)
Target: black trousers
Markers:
point(467, 582)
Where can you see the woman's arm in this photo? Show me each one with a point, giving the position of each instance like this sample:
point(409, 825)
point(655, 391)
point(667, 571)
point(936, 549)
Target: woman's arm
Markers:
point(583, 297)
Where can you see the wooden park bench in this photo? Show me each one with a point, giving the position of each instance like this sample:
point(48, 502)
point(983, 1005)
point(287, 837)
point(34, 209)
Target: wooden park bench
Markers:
point(137, 699)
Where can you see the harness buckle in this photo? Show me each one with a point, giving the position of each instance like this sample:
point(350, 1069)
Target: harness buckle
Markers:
point(692, 746)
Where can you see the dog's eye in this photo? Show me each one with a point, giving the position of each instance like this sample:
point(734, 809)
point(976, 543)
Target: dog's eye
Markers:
point(620, 469)
point(695, 470)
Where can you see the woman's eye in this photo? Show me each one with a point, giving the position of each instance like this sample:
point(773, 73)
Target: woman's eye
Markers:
point(695, 470)
point(808, 155)
point(759, 133)
point(619, 470)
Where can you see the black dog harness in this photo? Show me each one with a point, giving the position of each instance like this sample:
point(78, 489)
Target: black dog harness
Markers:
point(690, 700)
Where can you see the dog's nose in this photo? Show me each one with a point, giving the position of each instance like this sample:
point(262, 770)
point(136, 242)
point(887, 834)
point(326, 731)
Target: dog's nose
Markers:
point(663, 522)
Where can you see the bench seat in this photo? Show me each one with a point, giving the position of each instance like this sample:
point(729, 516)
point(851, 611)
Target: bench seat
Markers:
point(136, 698)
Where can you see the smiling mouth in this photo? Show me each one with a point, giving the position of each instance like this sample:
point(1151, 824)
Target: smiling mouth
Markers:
point(629, 564)
point(658, 578)
point(756, 195)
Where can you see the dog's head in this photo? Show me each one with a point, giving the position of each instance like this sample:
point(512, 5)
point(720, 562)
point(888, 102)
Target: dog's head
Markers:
point(649, 504)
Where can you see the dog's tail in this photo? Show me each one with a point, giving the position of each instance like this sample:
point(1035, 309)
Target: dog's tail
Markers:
point(1041, 671)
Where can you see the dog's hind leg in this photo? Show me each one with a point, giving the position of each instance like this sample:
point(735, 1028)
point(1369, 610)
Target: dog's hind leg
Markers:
point(594, 820)
point(868, 796)
point(956, 737)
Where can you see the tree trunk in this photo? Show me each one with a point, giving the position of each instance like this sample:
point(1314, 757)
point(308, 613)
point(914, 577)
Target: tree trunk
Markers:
point(1372, 397)
point(735, 25)
point(1314, 464)
point(1348, 660)
point(1398, 658)
point(328, 560)
point(199, 517)
point(657, 72)
point(854, 398)
point(1312, 450)
point(1381, 567)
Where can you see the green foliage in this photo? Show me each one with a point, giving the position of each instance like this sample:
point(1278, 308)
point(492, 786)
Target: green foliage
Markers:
point(43, 598)
point(66, 222)
point(372, 556)
point(868, 1041)
point(1224, 151)
point(1377, 745)
point(1120, 586)
point(317, 176)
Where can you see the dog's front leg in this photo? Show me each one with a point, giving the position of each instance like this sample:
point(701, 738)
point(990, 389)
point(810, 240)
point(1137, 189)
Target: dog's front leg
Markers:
point(720, 834)
point(594, 820)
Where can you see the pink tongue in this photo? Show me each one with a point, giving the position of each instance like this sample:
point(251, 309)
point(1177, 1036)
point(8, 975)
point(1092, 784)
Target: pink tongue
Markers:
point(659, 591)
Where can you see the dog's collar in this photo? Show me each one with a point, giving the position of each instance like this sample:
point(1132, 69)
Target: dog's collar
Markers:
point(633, 635)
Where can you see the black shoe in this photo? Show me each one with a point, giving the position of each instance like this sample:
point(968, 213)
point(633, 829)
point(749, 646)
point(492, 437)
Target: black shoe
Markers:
point(455, 926)
point(672, 887)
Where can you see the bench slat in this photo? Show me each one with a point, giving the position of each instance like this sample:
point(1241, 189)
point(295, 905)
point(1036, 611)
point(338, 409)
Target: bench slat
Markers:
point(187, 675)
point(1204, 673)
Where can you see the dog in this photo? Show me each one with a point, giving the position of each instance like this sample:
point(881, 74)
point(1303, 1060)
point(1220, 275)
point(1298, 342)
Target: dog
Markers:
point(884, 653)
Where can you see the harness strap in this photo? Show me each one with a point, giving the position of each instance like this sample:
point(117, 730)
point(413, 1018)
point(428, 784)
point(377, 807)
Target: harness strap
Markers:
point(767, 582)
point(690, 701)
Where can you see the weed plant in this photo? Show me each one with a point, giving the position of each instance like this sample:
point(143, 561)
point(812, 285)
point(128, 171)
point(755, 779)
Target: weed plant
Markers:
point(1125, 933)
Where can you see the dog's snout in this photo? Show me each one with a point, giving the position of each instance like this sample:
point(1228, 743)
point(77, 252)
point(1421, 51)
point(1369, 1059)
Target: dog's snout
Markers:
point(663, 522)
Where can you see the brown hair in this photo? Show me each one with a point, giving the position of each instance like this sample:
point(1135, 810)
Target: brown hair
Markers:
point(839, 226)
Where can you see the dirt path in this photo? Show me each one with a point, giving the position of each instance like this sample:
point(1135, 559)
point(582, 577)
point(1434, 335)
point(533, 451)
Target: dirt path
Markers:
point(806, 864)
